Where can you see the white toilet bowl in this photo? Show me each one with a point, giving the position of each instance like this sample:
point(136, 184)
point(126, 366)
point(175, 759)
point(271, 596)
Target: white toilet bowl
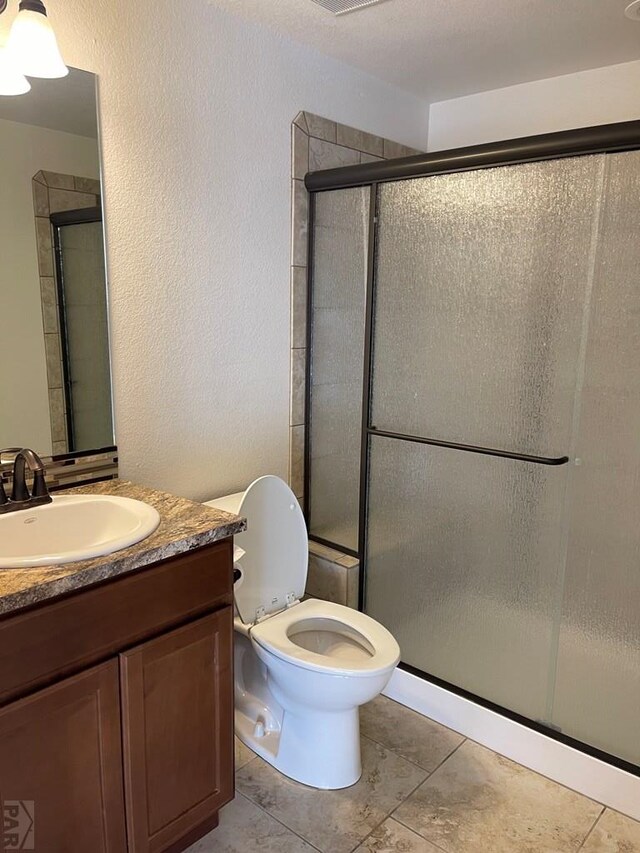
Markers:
point(302, 668)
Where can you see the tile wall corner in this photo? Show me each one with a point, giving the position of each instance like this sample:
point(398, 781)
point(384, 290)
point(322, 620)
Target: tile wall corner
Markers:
point(316, 143)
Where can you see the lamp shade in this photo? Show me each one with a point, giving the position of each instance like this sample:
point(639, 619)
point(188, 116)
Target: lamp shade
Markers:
point(12, 82)
point(32, 45)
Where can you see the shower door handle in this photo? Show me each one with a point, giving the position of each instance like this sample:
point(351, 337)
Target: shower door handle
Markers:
point(472, 448)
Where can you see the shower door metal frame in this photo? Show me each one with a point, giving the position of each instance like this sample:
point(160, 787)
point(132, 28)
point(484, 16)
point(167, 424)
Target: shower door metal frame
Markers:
point(600, 139)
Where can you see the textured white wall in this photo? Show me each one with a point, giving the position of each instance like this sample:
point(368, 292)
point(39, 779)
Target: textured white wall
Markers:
point(196, 107)
point(598, 96)
point(24, 398)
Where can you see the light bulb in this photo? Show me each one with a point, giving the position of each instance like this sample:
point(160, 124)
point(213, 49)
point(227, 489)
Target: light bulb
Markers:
point(12, 82)
point(32, 43)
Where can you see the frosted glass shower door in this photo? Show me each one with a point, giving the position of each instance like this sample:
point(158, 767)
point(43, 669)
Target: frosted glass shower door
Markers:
point(597, 688)
point(462, 566)
point(481, 284)
point(340, 240)
point(480, 289)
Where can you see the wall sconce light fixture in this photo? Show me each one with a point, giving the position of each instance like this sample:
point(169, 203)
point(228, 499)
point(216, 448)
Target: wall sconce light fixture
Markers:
point(31, 50)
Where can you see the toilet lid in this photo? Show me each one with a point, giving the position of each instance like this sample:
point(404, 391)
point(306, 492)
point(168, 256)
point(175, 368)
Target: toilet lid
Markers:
point(276, 549)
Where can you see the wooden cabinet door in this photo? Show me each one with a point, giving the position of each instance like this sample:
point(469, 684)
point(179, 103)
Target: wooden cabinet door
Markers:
point(61, 767)
point(177, 699)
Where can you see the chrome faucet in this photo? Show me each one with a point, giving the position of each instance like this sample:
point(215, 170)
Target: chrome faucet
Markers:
point(20, 497)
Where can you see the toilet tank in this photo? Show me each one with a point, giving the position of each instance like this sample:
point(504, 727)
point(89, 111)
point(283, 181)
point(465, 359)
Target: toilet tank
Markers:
point(228, 503)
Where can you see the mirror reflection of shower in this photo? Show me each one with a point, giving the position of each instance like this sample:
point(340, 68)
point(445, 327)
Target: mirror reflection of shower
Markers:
point(82, 314)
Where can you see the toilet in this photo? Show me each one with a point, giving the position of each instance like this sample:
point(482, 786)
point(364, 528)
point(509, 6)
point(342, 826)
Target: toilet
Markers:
point(302, 668)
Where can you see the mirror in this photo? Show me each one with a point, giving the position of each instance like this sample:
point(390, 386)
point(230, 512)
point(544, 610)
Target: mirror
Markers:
point(55, 378)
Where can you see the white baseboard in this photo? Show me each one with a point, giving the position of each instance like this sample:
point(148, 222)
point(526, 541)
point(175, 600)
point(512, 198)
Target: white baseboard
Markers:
point(589, 776)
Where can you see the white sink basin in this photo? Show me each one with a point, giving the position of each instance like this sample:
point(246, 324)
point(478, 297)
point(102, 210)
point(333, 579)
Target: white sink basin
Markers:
point(73, 528)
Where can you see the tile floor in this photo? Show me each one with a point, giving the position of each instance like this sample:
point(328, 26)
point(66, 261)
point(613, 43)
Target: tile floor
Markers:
point(424, 789)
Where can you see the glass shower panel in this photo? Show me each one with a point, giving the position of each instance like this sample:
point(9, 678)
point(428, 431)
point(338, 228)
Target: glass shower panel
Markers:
point(463, 557)
point(340, 240)
point(480, 285)
point(597, 694)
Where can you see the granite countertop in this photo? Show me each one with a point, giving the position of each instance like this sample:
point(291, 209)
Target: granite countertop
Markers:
point(184, 526)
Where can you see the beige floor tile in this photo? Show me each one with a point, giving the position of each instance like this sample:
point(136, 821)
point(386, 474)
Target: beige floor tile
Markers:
point(407, 733)
point(393, 837)
point(245, 828)
point(242, 754)
point(614, 833)
point(334, 821)
point(479, 801)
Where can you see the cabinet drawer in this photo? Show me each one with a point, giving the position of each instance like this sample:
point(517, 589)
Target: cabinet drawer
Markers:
point(40, 645)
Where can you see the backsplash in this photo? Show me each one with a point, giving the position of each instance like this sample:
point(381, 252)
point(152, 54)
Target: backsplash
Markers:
point(81, 468)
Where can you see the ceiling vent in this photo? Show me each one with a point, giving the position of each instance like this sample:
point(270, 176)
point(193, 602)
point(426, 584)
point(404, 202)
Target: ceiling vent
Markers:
point(341, 7)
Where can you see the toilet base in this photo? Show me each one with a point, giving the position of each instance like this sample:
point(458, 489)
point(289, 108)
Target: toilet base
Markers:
point(320, 749)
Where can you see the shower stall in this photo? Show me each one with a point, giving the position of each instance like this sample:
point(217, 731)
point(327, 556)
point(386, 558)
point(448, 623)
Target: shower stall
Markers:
point(473, 418)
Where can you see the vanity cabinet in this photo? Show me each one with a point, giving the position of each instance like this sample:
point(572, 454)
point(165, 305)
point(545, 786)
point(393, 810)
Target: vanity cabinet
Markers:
point(116, 709)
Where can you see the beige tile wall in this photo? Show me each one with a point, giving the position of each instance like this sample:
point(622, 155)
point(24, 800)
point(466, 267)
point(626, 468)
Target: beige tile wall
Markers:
point(319, 143)
point(316, 143)
point(332, 575)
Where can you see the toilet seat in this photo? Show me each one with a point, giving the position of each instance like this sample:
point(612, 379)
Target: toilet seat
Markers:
point(274, 550)
point(373, 648)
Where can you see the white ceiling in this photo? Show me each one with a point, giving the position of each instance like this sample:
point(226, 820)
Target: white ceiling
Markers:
point(442, 49)
point(67, 104)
